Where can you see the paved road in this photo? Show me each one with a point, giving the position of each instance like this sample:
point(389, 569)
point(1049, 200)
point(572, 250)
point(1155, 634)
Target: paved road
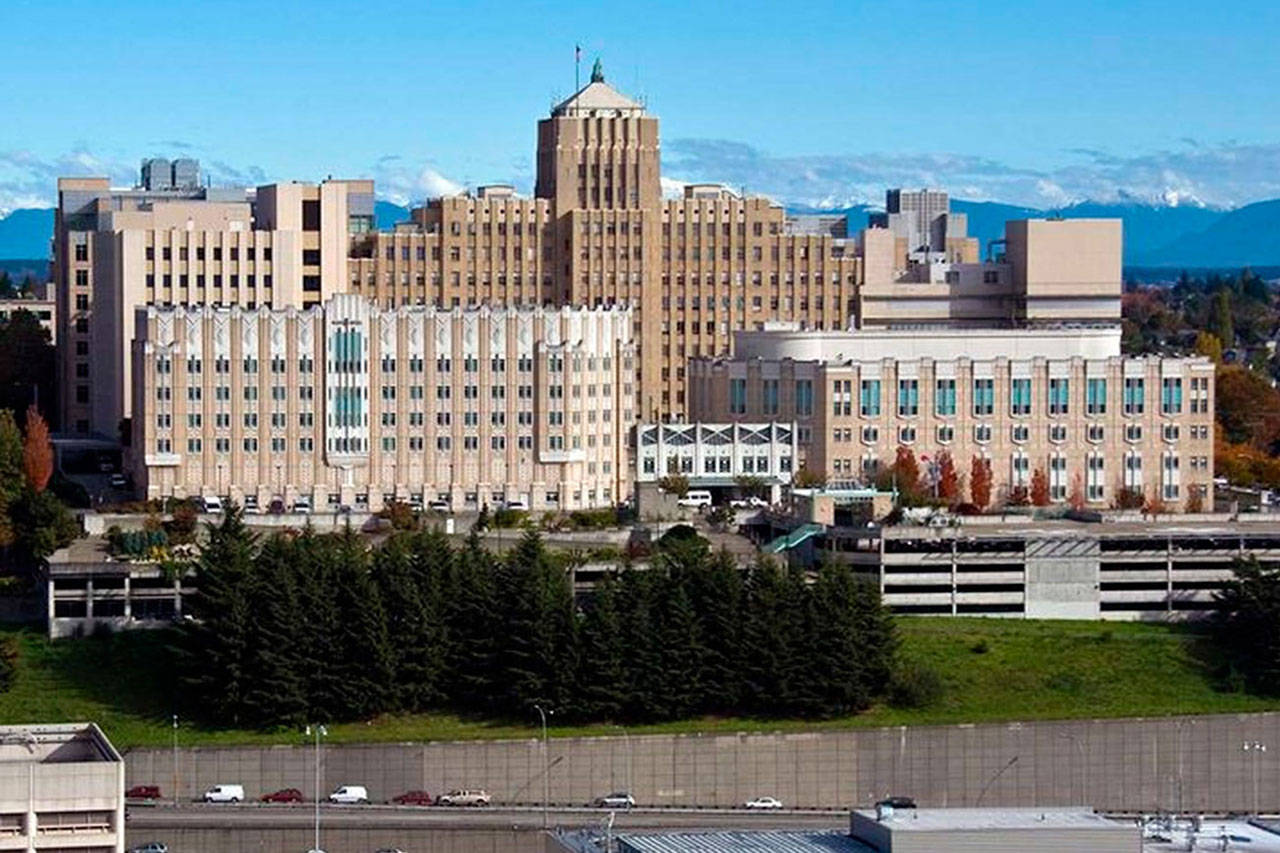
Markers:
point(195, 816)
point(361, 829)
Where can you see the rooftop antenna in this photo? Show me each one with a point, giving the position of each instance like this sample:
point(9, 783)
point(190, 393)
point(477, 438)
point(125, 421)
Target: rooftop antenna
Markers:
point(577, 66)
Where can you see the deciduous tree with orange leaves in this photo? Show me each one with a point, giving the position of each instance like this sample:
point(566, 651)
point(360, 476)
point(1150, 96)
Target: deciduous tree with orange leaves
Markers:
point(1039, 488)
point(980, 482)
point(37, 451)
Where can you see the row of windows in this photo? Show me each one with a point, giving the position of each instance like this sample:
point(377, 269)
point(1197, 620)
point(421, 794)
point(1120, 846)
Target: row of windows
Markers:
point(1018, 433)
point(166, 253)
point(982, 400)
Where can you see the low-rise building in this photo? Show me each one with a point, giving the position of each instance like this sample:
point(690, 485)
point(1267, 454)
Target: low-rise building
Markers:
point(349, 404)
point(44, 310)
point(61, 788)
point(718, 455)
point(1026, 830)
point(1100, 427)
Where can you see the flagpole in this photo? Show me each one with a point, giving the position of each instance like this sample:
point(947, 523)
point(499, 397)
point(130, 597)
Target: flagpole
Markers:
point(577, 66)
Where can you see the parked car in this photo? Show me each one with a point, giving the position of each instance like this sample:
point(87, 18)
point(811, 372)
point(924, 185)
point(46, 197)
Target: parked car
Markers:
point(413, 798)
point(302, 506)
point(898, 802)
point(349, 794)
point(150, 847)
point(763, 803)
point(472, 797)
point(388, 850)
point(143, 792)
point(752, 502)
point(517, 504)
point(118, 481)
point(616, 800)
point(284, 795)
point(211, 503)
point(695, 498)
point(276, 507)
point(224, 794)
point(439, 506)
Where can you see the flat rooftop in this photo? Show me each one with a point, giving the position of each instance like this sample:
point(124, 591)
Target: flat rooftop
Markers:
point(739, 841)
point(994, 819)
point(1105, 529)
point(60, 743)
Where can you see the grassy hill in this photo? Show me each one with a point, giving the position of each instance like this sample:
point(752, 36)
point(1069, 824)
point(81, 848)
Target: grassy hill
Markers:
point(993, 670)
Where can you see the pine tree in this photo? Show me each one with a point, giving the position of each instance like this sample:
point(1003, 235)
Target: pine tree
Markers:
point(645, 680)
point(218, 640)
point(716, 595)
point(764, 657)
point(318, 641)
point(364, 663)
point(602, 687)
point(847, 659)
point(472, 628)
point(274, 682)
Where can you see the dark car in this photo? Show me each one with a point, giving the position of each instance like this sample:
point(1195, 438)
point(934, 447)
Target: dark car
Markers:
point(898, 802)
point(284, 795)
point(413, 798)
point(276, 507)
point(143, 792)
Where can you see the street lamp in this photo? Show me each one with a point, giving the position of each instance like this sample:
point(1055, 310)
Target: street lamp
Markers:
point(175, 760)
point(318, 731)
point(546, 765)
point(1256, 749)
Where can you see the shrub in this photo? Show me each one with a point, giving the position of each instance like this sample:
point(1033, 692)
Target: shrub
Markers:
point(10, 652)
point(913, 686)
point(506, 518)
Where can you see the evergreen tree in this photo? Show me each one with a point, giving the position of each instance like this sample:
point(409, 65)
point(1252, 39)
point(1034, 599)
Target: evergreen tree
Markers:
point(764, 623)
point(716, 595)
point(846, 651)
point(273, 669)
point(645, 680)
point(1221, 324)
point(682, 653)
point(602, 688)
point(471, 625)
point(364, 662)
point(218, 640)
point(412, 624)
point(318, 640)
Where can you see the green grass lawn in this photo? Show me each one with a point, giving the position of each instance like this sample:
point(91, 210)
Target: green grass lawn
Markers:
point(992, 670)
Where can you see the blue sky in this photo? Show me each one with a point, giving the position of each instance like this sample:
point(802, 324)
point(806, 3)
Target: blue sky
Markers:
point(821, 103)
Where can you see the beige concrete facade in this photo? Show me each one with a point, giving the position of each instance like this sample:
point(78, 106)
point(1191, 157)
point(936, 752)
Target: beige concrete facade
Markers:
point(350, 404)
point(61, 788)
point(1059, 401)
point(115, 249)
point(44, 310)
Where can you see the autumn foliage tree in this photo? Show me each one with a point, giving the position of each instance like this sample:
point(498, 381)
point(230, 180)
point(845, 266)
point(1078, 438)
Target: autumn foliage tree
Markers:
point(1039, 488)
point(948, 480)
point(980, 482)
point(37, 451)
point(906, 474)
point(1076, 496)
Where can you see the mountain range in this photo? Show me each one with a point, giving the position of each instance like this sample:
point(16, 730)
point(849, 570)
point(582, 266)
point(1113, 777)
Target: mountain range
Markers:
point(1155, 235)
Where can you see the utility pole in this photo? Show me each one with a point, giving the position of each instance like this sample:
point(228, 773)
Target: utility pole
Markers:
point(175, 760)
point(546, 766)
point(318, 731)
point(1255, 749)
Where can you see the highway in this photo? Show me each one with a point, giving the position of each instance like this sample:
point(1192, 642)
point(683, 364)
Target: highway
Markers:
point(158, 819)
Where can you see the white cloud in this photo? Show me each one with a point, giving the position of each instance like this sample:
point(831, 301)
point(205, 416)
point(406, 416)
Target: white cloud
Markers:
point(1227, 175)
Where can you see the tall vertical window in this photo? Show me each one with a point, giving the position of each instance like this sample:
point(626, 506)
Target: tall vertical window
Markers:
point(1133, 471)
point(1059, 396)
point(869, 399)
point(738, 396)
point(1134, 396)
point(984, 396)
point(908, 397)
point(1095, 398)
point(770, 395)
point(1095, 477)
point(1171, 396)
point(842, 397)
point(1170, 476)
point(1057, 477)
point(1020, 396)
point(804, 397)
point(944, 398)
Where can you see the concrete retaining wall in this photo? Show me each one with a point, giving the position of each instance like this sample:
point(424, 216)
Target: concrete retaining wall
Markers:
point(1141, 765)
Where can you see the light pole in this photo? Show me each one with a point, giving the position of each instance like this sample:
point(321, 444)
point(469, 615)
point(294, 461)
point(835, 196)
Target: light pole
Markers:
point(318, 731)
point(992, 780)
point(1255, 748)
point(546, 765)
point(175, 760)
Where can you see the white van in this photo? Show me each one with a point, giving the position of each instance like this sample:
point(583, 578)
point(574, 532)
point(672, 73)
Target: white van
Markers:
point(349, 794)
point(695, 498)
point(212, 503)
point(224, 794)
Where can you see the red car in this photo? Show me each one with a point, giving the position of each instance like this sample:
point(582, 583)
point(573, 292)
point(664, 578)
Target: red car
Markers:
point(284, 795)
point(413, 798)
point(143, 792)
